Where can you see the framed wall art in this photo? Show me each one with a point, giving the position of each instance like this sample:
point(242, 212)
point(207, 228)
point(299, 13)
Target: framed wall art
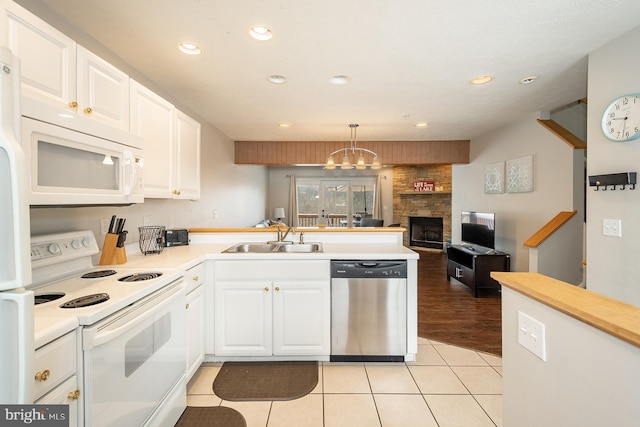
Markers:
point(494, 178)
point(519, 175)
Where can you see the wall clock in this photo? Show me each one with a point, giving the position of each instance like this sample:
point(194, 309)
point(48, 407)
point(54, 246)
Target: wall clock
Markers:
point(621, 119)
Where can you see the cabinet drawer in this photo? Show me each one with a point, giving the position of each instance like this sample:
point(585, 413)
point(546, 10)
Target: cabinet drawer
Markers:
point(54, 363)
point(194, 277)
point(272, 270)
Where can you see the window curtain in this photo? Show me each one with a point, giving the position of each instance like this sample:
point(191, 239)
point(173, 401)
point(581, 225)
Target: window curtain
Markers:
point(377, 200)
point(293, 202)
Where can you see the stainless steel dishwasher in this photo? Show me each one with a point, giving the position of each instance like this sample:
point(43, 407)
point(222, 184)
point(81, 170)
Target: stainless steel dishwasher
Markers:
point(368, 311)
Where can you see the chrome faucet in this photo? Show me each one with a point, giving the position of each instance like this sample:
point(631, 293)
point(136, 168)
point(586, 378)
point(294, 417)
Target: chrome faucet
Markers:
point(281, 236)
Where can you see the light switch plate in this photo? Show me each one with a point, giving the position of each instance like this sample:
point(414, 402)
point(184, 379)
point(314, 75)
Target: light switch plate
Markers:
point(612, 227)
point(147, 220)
point(104, 226)
point(531, 335)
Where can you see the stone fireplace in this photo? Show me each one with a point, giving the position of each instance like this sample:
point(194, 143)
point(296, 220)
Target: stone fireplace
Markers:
point(426, 232)
point(410, 204)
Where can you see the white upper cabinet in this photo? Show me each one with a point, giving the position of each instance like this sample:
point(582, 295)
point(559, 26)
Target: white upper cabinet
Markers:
point(171, 146)
point(153, 119)
point(187, 170)
point(47, 57)
point(59, 72)
point(103, 90)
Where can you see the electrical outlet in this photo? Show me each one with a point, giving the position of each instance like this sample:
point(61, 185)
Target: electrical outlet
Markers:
point(531, 335)
point(612, 227)
point(104, 226)
point(147, 220)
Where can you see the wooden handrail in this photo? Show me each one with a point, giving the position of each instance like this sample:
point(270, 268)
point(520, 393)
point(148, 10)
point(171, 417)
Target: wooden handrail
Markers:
point(548, 229)
point(562, 133)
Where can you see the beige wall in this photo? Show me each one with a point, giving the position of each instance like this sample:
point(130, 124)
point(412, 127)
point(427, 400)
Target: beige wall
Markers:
point(518, 215)
point(612, 262)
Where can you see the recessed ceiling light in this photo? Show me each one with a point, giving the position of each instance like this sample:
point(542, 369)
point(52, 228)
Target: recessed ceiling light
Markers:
point(189, 48)
point(480, 80)
point(284, 125)
point(277, 79)
point(422, 125)
point(528, 80)
point(339, 80)
point(260, 32)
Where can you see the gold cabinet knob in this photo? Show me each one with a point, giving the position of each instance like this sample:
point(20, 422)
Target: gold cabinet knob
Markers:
point(176, 192)
point(195, 278)
point(73, 104)
point(73, 395)
point(277, 289)
point(266, 289)
point(43, 375)
point(88, 110)
point(187, 306)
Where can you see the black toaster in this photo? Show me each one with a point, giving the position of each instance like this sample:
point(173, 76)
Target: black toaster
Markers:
point(176, 237)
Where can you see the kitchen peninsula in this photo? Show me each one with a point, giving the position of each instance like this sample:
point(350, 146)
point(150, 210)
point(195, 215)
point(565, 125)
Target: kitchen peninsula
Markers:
point(255, 282)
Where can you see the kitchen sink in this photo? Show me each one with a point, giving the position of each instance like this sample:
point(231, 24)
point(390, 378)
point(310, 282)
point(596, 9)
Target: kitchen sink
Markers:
point(282, 247)
point(302, 247)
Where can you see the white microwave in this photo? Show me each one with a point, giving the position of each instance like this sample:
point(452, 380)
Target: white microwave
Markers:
point(68, 167)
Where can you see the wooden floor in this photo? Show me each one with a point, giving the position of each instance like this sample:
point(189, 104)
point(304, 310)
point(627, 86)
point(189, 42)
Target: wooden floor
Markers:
point(449, 313)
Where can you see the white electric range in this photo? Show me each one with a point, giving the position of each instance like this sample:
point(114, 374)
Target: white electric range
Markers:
point(133, 326)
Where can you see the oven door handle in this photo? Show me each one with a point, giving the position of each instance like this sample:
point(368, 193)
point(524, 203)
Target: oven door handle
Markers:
point(103, 333)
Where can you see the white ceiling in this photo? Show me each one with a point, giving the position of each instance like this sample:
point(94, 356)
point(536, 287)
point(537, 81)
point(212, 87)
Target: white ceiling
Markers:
point(408, 60)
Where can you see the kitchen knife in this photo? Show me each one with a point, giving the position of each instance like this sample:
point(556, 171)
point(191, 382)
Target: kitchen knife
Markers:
point(121, 238)
point(119, 226)
point(112, 223)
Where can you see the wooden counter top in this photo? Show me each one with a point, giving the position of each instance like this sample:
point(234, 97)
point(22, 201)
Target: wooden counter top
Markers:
point(305, 229)
point(607, 314)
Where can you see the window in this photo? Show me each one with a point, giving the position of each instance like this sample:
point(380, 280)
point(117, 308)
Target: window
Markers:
point(344, 202)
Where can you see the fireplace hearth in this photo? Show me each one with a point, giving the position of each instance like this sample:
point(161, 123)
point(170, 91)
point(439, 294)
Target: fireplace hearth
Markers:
point(426, 232)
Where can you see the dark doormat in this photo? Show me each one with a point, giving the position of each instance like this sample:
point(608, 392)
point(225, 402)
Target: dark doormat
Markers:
point(238, 381)
point(211, 416)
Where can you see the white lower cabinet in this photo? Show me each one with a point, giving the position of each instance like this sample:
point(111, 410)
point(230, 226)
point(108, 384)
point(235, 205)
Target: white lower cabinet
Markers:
point(66, 393)
point(55, 375)
point(265, 308)
point(195, 278)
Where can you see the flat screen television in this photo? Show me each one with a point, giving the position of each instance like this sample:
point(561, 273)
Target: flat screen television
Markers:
point(479, 228)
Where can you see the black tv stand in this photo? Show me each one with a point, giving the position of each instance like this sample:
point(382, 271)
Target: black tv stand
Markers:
point(472, 265)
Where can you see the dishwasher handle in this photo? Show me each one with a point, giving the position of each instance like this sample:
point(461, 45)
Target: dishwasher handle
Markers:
point(369, 269)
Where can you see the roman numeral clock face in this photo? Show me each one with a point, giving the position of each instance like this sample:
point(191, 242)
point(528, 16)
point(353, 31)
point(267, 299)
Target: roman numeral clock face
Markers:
point(621, 119)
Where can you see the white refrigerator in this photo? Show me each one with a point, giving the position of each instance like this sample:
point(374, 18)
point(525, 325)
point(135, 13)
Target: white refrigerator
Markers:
point(16, 300)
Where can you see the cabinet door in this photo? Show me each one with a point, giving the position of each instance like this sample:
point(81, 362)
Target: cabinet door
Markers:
point(47, 57)
point(301, 318)
point(195, 330)
point(242, 318)
point(187, 157)
point(66, 393)
point(103, 90)
point(153, 118)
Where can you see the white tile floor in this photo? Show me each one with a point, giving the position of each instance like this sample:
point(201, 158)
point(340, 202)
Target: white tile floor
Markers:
point(445, 386)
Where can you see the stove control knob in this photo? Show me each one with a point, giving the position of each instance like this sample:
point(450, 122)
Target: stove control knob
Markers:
point(86, 242)
point(54, 248)
point(75, 244)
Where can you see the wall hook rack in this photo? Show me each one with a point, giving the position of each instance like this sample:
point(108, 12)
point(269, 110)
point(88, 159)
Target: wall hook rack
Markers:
point(601, 182)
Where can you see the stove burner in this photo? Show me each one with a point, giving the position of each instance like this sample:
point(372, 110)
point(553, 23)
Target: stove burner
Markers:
point(98, 274)
point(138, 277)
point(86, 301)
point(51, 296)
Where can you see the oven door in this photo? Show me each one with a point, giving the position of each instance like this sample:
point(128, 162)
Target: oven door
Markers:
point(134, 358)
point(73, 168)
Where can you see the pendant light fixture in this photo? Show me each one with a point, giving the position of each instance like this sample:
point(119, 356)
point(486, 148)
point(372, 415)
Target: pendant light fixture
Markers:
point(351, 151)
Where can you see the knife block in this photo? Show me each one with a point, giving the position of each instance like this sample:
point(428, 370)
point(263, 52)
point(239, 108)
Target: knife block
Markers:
point(112, 254)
